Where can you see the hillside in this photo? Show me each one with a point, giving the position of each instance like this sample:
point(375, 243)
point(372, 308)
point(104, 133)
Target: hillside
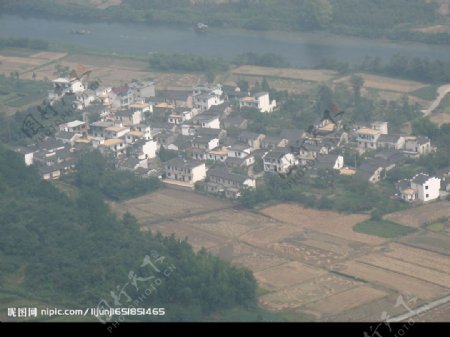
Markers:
point(76, 253)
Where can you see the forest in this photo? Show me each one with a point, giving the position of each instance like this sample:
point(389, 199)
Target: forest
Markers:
point(76, 252)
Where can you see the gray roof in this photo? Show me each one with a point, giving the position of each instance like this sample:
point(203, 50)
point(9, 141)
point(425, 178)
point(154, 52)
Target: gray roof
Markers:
point(422, 140)
point(182, 163)
point(277, 153)
point(326, 161)
point(101, 124)
point(175, 95)
point(389, 138)
point(204, 118)
point(248, 135)
point(50, 144)
point(225, 174)
point(403, 184)
point(65, 135)
point(420, 179)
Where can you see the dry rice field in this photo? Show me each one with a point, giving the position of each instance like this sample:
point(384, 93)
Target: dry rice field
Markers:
point(309, 262)
point(418, 216)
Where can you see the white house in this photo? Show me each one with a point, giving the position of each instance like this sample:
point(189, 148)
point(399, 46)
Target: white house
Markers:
point(367, 139)
point(422, 187)
point(419, 145)
point(427, 187)
point(382, 127)
point(222, 181)
point(129, 116)
point(74, 126)
point(279, 160)
point(260, 101)
point(72, 85)
point(239, 151)
point(186, 171)
point(206, 96)
point(115, 145)
point(207, 121)
point(116, 131)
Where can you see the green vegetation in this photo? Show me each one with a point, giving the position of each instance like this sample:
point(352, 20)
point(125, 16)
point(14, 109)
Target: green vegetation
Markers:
point(23, 42)
point(187, 63)
point(384, 229)
point(15, 92)
point(264, 60)
point(75, 253)
point(94, 172)
point(436, 227)
point(328, 190)
point(428, 93)
point(368, 18)
point(401, 66)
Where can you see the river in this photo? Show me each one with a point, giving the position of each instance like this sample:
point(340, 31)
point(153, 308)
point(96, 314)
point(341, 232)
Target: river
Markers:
point(300, 49)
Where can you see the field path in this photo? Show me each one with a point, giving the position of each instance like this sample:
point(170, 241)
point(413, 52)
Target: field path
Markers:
point(442, 91)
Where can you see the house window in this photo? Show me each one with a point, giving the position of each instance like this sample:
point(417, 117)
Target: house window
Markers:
point(427, 196)
point(426, 187)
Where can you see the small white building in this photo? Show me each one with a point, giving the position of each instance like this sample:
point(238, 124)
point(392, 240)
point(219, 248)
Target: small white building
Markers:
point(186, 171)
point(116, 131)
point(74, 126)
point(231, 184)
point(72, 85)
point(207, 121)
point(260, 101)
point(206, 96)
point(279, 161)
point(427, 187)
point(367, 139)
point(422, 187)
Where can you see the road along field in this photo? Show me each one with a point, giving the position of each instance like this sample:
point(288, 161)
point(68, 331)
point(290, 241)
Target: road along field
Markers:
point(309, 262)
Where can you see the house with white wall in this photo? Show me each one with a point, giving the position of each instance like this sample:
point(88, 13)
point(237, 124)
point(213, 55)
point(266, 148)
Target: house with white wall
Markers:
point(260, 101)
point(279, 161)
point(185, 171)
point(421, 187)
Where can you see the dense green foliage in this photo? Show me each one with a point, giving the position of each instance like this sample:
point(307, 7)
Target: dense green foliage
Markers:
point(403, 66)
point(22, 42)
point(363, 17)
point(75, 253)
point(265, 60)
point(93, 171)
point(328, 191)
point(186, 63)
point(15, 92)
point(384, 229)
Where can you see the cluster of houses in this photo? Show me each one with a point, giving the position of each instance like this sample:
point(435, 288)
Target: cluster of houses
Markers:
point(197, 124)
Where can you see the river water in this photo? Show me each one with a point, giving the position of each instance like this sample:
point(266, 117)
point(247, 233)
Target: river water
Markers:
point(300, 49)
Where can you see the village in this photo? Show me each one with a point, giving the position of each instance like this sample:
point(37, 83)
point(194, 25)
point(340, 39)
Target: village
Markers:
point(190, 146)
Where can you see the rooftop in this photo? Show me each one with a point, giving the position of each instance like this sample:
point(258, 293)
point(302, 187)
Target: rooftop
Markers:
point(112, 142)
point(367, 131)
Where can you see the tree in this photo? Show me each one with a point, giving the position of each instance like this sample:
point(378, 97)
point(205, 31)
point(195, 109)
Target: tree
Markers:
point(357, 84)
point(320, 12)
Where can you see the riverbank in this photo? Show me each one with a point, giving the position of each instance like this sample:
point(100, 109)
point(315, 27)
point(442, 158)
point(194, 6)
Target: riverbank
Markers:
point(305, 50)
point(398, 21)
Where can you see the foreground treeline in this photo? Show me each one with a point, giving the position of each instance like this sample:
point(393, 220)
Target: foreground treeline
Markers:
point(363, 17)
point(75, 253)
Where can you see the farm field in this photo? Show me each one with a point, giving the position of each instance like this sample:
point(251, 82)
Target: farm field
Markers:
point(308, 262)
point(416, 217)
